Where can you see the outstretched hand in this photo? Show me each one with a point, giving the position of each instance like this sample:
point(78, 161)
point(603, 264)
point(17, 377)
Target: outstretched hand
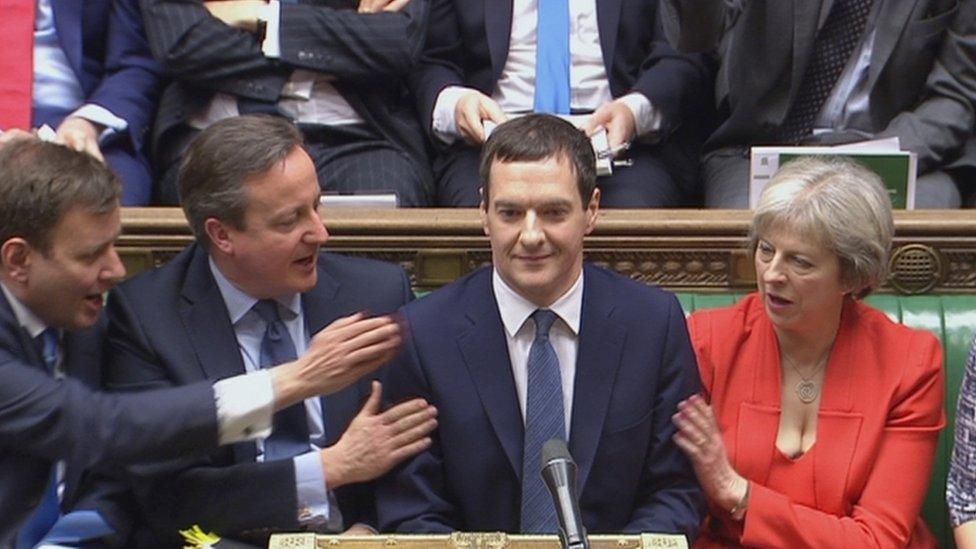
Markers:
point(377, 440)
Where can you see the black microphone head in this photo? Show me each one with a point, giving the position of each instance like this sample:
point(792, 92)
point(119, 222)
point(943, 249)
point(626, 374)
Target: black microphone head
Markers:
point(554, 449)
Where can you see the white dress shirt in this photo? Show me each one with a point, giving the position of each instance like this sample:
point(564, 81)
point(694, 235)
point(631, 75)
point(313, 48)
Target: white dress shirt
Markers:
point(516, 311)
point(515, 90)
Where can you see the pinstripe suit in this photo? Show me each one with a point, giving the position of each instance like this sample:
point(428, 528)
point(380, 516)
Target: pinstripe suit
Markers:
point(367, 54)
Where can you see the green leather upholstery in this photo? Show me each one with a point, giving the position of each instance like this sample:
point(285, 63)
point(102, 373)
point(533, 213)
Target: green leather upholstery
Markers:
point(952, 318)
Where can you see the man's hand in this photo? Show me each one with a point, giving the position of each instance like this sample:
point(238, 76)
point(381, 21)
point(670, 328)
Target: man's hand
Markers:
point(8, 136)
point(619, 121)
point(81, 135)
point(359, 529)
point(375, 441)
point(472, 109)
point(341, 353)
point(373, 6)
point(240, 14)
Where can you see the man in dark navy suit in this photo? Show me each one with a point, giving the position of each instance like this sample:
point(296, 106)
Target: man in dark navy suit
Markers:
point(542, 346)
point(251, 194)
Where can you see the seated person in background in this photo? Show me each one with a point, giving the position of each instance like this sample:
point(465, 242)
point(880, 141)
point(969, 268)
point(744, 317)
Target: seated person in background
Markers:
point(819, 417)
point(92, 78)
point(485, 61)
point(541, 346)
point(247, 295)
point(59, 218)
point(335, 70)
point(825, 72)
point(961, 484)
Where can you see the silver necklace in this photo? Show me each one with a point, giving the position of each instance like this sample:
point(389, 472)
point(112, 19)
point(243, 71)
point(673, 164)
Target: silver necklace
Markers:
point(806, 389)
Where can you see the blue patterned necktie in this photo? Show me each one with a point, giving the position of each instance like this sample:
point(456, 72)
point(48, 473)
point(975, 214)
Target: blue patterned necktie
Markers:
point(289, 436)
point(552, 57)
point(544, 420)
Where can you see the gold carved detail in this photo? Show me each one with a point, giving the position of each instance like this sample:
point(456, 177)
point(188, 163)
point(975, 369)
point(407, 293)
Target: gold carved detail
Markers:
point(472, 540)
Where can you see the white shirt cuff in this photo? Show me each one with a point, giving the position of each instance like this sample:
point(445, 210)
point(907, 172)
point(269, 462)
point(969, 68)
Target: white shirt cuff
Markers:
point(313, 498)
point(272, 31)
point(443, 123)
point(245, 406)
point(646, 117)
point(100, 115)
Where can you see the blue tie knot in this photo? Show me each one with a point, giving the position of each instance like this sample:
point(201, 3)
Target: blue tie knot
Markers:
point(544, 319)
point(267, 309)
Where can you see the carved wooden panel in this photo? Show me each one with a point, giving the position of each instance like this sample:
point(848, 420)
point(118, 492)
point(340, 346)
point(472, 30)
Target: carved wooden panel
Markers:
point(699, 250)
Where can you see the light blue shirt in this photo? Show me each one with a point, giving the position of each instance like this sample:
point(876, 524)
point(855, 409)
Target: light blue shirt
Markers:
point(313, 498)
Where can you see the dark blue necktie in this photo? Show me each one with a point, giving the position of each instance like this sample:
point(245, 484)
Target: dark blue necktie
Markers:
point(552, 57)
point(47, 344)
point(46, 513)
point(544, 420)
point(289, 436)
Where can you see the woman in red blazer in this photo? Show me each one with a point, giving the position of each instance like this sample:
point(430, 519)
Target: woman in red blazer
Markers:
point(820, 416)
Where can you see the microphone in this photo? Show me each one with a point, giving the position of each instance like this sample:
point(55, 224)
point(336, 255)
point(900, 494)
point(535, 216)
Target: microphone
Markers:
point(559, 473)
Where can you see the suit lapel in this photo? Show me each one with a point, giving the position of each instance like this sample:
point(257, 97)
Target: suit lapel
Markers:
point(82, 359)
point(68, 23)
point(806, 21)
point(601, 343)
point(498, 30)
point(838, 421)
point(608, 21)
point(892, 20)
point(207, 323)
point(485, 354)
point(320, 309)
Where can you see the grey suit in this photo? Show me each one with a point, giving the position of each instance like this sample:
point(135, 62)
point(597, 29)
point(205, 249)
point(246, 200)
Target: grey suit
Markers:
point(366, 55)
point(921, 83)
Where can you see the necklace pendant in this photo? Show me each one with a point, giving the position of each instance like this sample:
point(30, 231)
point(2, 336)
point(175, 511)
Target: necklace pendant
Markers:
point(806, 391)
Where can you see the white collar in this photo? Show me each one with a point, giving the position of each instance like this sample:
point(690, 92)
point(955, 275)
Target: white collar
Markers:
point(25, 317)
point(515, 309)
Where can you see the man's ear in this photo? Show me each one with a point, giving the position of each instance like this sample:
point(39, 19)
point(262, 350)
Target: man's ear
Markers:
point(16, 254)
point(219, 235)
point(483, 210)
point(592, 209)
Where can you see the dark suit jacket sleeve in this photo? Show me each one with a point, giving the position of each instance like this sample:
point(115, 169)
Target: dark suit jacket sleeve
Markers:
point(677, 84)
point(350, 46)
point(195, 47)
point(938, 127)
point(226, 498)
point(129, 88)
point(670, 499)
point(695, 26)
point(60, 419)
point(440, 63)
point(412, 497)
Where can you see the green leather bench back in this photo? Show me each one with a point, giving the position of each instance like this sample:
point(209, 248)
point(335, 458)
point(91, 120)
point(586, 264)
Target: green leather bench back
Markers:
point(952, 318)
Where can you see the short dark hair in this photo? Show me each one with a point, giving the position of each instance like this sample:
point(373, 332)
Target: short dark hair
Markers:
point(40, 182)
point(535, 137)
point(222, 158)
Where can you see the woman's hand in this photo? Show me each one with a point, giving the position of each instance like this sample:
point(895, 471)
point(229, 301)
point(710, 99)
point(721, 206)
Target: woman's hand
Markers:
point(700, 438)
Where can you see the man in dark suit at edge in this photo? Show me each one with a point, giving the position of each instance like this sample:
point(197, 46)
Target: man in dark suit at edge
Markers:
point(59, 219)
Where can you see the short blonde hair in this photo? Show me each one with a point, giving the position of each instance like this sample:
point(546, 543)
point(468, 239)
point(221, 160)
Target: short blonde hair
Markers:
point(837, 202)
